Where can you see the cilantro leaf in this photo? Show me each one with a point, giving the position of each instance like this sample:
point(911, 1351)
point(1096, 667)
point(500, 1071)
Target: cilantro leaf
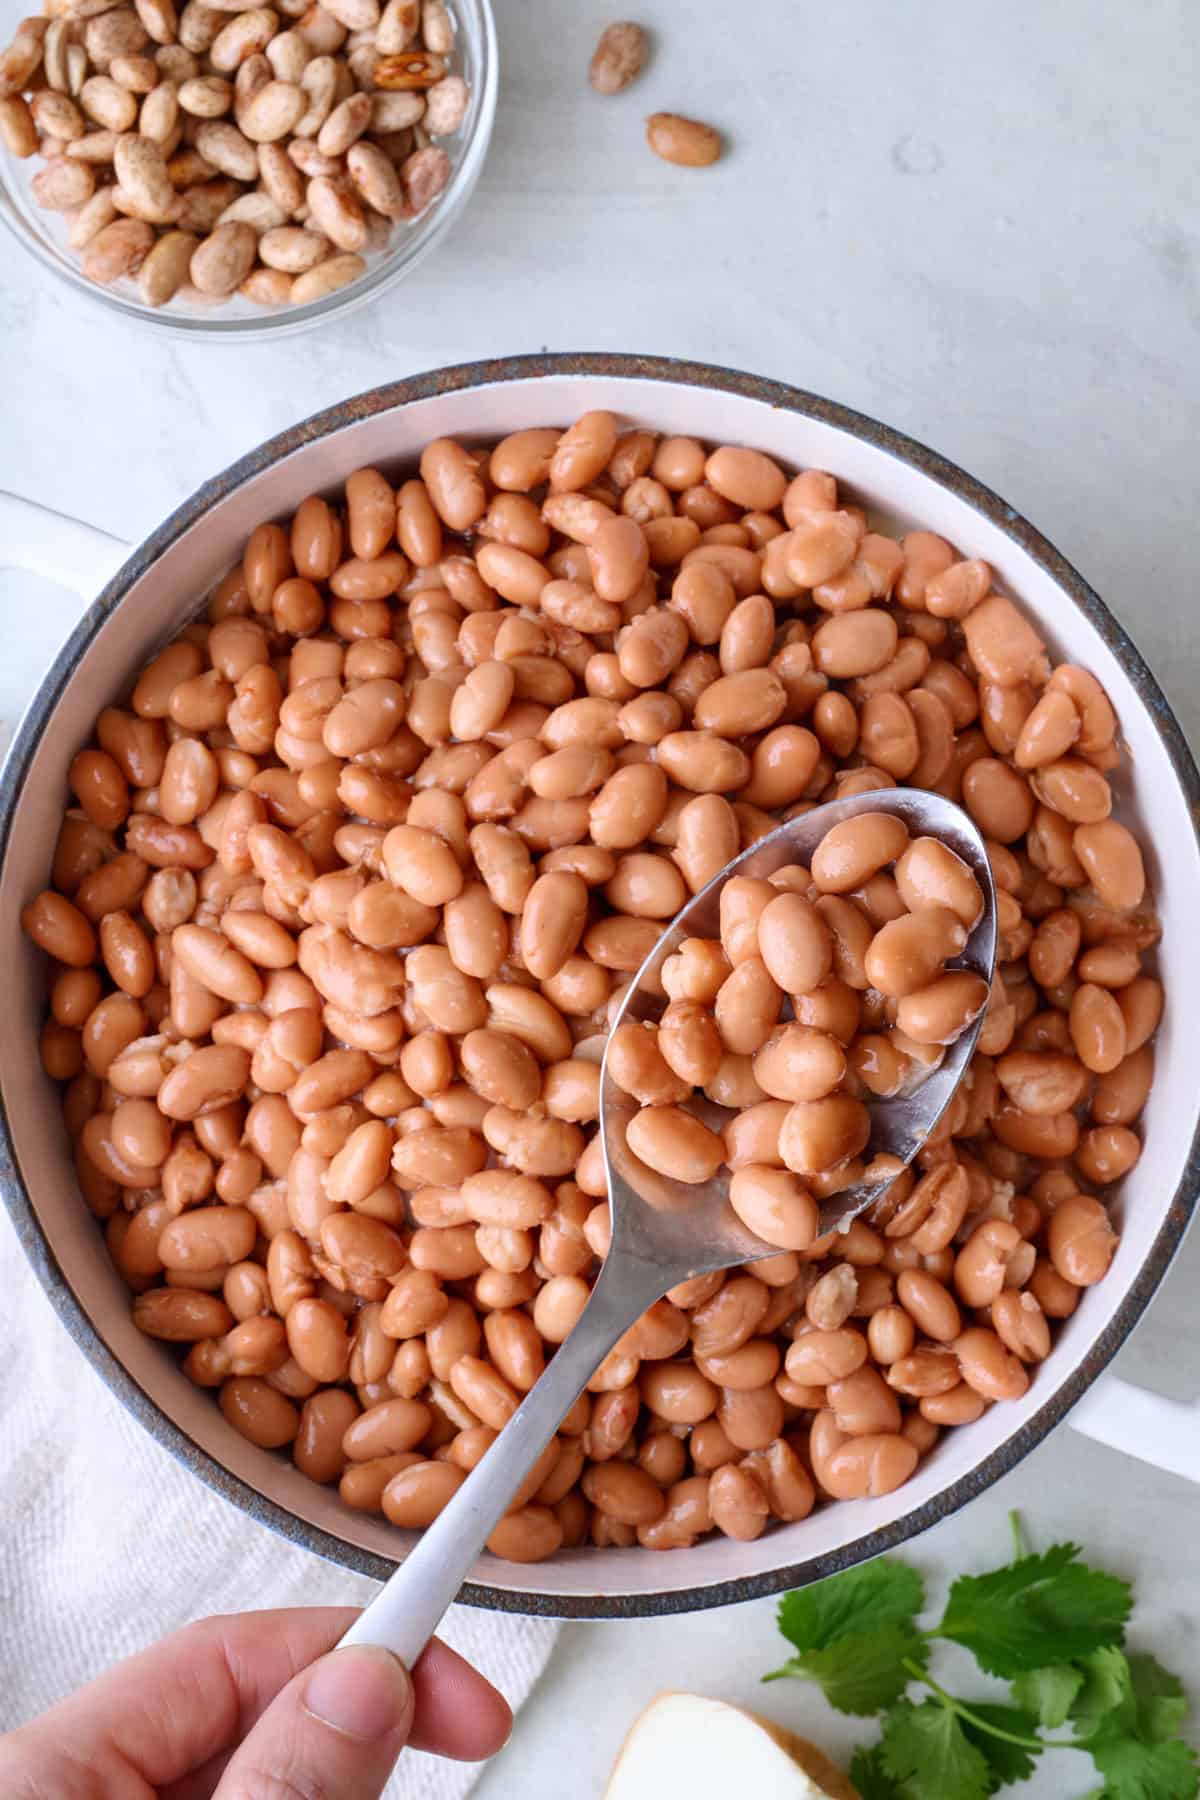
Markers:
point(1041, 1609)
point(1159, 1698)
point(1007, 1761)
point(1104, 1705)
point(863, 1673)
point(925, 1750)
point(884, 1592)
point(1125, 1715)
point(854, 1632)
point(870, 1777)
point(1136, 1771)
point(1048, 1693)
point(1049, 1623)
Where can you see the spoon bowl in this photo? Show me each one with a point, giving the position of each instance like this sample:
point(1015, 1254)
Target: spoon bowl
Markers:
point(695, 1222)
point(666, 1231)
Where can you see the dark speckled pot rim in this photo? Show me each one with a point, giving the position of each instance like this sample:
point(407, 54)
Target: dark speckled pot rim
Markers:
point(789, 399)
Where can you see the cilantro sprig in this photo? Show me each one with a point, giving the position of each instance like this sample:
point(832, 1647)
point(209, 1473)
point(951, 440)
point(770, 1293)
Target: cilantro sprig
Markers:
point(1050, 1625)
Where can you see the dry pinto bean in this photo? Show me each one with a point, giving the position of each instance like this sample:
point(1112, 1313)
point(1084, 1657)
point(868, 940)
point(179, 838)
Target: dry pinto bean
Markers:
point(91, 218)
point(20, 58)
point(224, 259)
point(326, 278)
point(62, 186)
point(618, 57)
point(687, 142)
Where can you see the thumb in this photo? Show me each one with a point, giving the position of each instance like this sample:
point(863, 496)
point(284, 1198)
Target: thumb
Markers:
point(332, 1734)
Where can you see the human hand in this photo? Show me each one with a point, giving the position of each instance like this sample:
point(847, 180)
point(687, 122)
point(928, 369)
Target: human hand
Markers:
point(230, 1709)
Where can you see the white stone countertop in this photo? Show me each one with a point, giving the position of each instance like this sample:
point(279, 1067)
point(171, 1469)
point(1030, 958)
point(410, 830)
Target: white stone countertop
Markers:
point(978, 223)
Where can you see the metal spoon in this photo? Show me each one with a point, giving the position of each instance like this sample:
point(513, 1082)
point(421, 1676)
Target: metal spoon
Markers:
point(664, 1231)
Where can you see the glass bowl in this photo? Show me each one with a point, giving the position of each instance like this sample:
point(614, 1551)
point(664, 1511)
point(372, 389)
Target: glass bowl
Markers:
point(44, 234)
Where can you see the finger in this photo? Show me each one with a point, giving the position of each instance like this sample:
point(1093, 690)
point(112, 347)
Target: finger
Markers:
point(174, 1711)
point(458, 1713)
point(201, 1784)
point(336, 1730)
point(168, 1710)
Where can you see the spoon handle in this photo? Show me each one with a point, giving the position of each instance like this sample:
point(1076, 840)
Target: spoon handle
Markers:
point(405, 1613)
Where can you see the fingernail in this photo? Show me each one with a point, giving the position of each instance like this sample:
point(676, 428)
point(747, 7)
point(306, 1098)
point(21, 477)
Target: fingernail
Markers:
point(362, 1691)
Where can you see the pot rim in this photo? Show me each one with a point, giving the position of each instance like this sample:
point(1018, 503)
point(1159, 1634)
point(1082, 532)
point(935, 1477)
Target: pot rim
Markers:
point(497, 372)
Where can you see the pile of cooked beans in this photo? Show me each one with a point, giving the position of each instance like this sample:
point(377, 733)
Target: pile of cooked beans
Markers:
point(222, 149)
point(350, 887)
point(798, 1116)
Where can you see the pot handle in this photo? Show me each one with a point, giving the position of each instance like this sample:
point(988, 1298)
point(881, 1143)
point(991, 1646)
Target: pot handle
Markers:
point(1165, 1433)
point(57, 547)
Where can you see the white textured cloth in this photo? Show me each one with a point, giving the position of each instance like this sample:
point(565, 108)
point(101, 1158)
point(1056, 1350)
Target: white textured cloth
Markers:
point(106, 1543)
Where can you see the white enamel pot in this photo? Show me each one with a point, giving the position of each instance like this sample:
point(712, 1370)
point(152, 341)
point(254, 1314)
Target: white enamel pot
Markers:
point(164, 582)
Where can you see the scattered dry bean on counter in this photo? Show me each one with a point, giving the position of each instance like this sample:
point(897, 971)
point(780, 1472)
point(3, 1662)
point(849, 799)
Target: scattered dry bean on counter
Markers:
point(222, 150)
point(619, 57)
point(688, 142)
point(351, 883)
